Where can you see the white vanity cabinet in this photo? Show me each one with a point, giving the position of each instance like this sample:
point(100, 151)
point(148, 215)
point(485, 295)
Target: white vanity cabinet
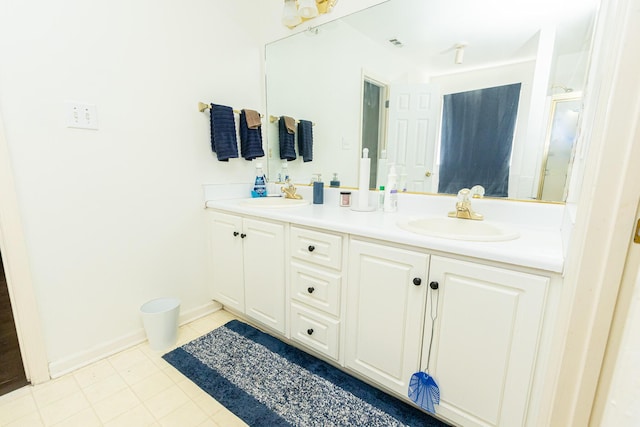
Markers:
point(385, 312)
point(316, 287)
point(248, 267)
point(487, 331)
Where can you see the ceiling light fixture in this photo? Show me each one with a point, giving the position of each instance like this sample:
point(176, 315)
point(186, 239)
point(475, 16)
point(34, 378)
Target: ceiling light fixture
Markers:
point(460, 53)
point(295, 12)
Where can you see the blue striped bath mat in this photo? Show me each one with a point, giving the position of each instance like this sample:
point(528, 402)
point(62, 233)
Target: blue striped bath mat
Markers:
point(266, 382)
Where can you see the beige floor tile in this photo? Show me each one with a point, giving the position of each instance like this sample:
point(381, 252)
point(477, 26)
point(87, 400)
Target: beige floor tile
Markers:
point(166, 401)
point(116, 404)
point(227, 418)
point(187, 415)
point(104, 388)
point(152, 385)
point(191, 389)
point(17, 407)
point(54, 390)
point(139, 371)
point(175, 375)
point(126, 359)
point(16, 394)
point(85, 418)
point(94, 373)
point(138, 417)
point(31, 420)
point(209, 405)
point(209, 423)
point(63, 408)
point(134, 388)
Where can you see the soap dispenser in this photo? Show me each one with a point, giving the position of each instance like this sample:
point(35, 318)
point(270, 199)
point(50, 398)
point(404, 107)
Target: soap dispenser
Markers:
point(391, 191)
point(335, 182)
point(318, 190)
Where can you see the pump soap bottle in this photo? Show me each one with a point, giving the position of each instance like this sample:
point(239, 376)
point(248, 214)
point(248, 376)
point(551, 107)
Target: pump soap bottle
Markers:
point(391, 191)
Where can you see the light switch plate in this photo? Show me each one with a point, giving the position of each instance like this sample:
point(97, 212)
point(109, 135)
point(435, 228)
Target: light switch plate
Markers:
point(80, 115)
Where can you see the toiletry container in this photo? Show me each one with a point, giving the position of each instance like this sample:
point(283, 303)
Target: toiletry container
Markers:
point(318, 191)
point(284, 172)
point(381, 197)
point(335, 182)
point(391, 191)
point(345, 198)
point(260, 184)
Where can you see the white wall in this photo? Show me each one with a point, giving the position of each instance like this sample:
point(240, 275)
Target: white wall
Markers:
point(307, 72)
point(114, 217)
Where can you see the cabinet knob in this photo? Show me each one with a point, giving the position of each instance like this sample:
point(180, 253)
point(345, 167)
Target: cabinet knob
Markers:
point(434, 285)
point(310, 289)
point(417, 281)
point(243, 235)
point(309, 331)
point(311, 248)
point(235, 233)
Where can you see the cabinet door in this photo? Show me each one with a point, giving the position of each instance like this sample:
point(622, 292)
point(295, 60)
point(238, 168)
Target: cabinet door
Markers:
point(225, 241)
point(385, 312)
point(486, 339)
point(264, 273)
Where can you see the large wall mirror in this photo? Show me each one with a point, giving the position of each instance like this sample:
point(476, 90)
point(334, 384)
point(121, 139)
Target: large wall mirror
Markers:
point(378, 79)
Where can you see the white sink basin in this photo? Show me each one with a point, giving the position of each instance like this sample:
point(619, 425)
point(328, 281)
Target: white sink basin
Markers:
point(459, 229)
point(273, 202)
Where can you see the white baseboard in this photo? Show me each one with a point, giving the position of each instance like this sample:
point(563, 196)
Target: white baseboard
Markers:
point(84, 358)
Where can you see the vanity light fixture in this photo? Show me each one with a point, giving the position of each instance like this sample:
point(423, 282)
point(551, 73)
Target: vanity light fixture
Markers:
point(295, 12)
point(460, 53)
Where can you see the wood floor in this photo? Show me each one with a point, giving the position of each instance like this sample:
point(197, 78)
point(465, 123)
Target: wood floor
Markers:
point(12, 374)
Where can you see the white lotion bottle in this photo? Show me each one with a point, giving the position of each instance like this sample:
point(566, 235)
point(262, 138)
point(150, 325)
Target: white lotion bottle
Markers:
point(391, 191)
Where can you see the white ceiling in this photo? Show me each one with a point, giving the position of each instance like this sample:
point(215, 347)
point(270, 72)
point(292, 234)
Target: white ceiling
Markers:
point(496, 31)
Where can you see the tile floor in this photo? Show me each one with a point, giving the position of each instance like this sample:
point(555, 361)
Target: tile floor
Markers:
point(134, 388)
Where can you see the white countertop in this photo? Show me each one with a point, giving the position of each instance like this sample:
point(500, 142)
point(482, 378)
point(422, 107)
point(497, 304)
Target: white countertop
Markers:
point(539, 245)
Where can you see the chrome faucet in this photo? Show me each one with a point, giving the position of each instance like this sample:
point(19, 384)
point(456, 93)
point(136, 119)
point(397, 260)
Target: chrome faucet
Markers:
point(463, 207)
point(289, 190)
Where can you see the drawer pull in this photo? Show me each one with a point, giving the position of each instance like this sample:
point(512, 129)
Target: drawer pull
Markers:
point(243, 235)
point(235, 233)
point(311, 248)
point(310, 289)
point(309, 331)
point(417, 281)
point(434, 285)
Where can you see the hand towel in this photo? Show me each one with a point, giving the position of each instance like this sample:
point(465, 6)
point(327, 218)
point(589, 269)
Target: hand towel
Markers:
point(290, 122)
point(305, 140)
point(223, 132)
point(253, 119)
point(287, 141)
point(250, 138)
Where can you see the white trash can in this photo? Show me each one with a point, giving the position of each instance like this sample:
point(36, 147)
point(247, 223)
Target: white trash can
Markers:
point(160, 319)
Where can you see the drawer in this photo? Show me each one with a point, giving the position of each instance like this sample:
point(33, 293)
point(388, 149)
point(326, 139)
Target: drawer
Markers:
point(317, 287)
point(317, 247)
point(314, 330)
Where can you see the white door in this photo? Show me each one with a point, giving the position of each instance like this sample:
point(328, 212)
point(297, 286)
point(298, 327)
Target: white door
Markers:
point(385, 312)
point(264, 272)
point(485, 341)
point(225, 240)
point(411, 139)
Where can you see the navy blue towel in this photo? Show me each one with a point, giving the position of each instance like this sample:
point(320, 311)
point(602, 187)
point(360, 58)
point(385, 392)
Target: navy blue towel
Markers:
point(287, 141)
point(250, 139)
point(305, 140)
point(223, 132)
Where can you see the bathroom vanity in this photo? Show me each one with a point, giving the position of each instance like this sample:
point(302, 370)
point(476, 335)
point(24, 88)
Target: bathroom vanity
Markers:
point(361, 292)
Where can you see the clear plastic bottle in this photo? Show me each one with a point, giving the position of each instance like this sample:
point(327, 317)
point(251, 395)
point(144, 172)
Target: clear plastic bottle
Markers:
point(391, 191)
point(260, 185)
